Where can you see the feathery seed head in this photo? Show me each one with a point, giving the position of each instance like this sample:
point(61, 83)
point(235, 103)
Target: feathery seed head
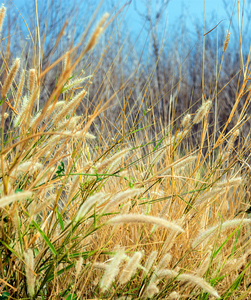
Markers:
point(10, 77)
point(98, 198)
point(20, 88)
point(112, 270)
point(29, 269)
point(164, 261)
point(177, 137)
point(184, 162)
point(174, 295)
point(236, 133)
point(178, 166)
point(59, 137)
point(19, 118)
point(190, 278)
point(186, 121)
point(98, 31)
point(219, 189)
point(226, 41)
point(56, 107)
point(122, 196)
point(66, 62)
point(101, 266)
point(70, 106)
point(103, 19)
point(28, 166)
point(130, 268)
point(70, 124)
point(35, 209)
point(230, 223)
point(5, 116)
point(32, 79)
point(234, 136)
point(200, 282)
point(74, 83)
point(74, 187)
point(2, 15)
point(149, 262)
point(112, 160)
point(79, 265)
point(166, 273)
point(203, 110)
point(137, 218)
point(87, 135)
point(15, 197)
point(215, 191)
point(205, 264)
point(229, 183)
point(33, 96)
point(151, 290)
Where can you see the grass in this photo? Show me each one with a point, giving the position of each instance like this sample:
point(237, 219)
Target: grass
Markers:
point(143, 213)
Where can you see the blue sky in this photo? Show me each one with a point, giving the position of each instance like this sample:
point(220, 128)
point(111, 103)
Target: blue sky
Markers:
point(190, 10)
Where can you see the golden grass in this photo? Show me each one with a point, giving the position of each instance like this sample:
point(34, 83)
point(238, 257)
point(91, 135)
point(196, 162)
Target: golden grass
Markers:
point(86, 216)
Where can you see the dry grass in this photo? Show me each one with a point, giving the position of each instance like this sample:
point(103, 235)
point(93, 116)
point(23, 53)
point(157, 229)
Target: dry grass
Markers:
point(135, 215)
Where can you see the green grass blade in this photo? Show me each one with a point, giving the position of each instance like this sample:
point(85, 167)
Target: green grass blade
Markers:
point(224, 243)
point(60, 219)
point(49, 244)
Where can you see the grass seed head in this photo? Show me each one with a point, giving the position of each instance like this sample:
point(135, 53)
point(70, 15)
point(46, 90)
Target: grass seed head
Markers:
point(98, 199)
point(112, 270)
point(59, 117)
point(27, 166)
point(203, 110)
point(98, 31)
point(200, 282)
point(15, 197)
point(181, 164)
point(174, 295)
point(130, 268)
point(13, 71)
point(164, 261)
point(20, 88)
point(2, 15)
point(186, 121)
point(74, 187)
point(79, 266)
point(114, 160)
point(122, 196)
point(230, 223)
point(101, 266)
point(214, 192)
point(32, 79)
point(149, 262)
point(29, 269)
point(229, 183)
point(151, 290)
point(137, 218)
point(226, 42)
point(73, 83)
point(233, 138)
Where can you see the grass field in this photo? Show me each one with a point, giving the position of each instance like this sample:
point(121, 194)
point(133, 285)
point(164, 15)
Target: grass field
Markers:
point(129, 207)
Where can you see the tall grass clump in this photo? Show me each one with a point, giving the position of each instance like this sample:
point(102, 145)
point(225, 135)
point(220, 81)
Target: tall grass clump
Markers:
point(131, 209)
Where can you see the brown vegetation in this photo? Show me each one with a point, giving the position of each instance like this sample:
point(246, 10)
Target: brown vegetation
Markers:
point(115, 187)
